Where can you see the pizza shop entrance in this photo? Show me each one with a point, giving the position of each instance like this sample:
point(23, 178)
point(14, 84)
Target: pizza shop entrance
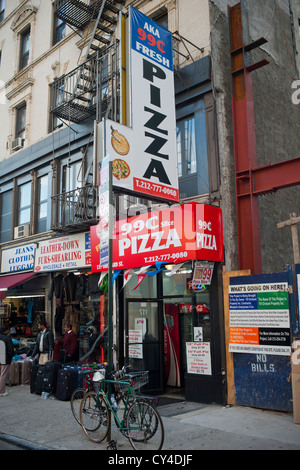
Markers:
point(168, 319)
point(173, 331)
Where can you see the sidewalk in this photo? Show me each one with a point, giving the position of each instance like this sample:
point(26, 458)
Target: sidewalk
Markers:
point(48, 424)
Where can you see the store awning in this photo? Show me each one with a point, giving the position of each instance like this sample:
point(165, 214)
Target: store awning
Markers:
point(7, 282)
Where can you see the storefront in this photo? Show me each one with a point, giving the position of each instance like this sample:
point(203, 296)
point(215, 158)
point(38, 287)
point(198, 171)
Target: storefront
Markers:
point(23, 294)
point(166, 267)
point(51, 279)
point(73, 293)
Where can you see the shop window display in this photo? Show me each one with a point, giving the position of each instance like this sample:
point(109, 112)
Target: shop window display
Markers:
point(79, 302)
point(22, 314)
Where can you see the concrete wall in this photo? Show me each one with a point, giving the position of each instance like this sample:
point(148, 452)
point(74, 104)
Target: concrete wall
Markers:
point(277, 121)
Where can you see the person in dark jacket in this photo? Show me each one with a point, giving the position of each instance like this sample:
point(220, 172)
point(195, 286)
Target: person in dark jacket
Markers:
point(44, 343)
point(6, 355)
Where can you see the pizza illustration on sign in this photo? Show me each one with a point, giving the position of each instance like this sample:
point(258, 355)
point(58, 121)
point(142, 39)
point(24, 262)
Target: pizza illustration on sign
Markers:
point(120, 169)
point(119, 142)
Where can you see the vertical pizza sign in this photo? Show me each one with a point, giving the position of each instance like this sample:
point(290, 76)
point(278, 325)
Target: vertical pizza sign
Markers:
point(144, 156)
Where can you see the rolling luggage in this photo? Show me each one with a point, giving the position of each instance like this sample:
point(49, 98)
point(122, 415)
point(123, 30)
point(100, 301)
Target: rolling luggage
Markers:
point(80, 369)
point(50, 376)
point(33, 374)
point(24, 371)
point(66, 383)
point(14, 376)
point(39, 379)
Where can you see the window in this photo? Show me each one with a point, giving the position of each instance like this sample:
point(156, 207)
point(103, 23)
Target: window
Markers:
point(6, 216)
point(186, 146)
point(24, 52)
point(24, 204)
point(59, 30)
point(72, 176)
point(71, 199)
point(2, 10)
point(161, 17)
point(21, 121)
point(56, 97)
point(192, 158)
point(42, 184)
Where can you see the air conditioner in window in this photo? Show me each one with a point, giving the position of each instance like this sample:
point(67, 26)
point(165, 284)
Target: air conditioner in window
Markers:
point(17, 144)
point(21, 231)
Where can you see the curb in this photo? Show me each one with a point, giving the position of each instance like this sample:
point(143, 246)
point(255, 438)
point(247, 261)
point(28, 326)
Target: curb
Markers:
point(22, 443)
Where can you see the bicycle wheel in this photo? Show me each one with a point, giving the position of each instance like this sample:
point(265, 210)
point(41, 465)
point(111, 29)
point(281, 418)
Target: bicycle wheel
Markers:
point(94, 417)
point(75, 402)
point(145, 429)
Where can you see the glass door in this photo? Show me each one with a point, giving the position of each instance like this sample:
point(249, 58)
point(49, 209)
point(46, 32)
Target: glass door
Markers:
point(144, 344)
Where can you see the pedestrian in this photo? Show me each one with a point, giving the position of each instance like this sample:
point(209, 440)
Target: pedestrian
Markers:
point(6, 355)
point(69, 344)
point(44, 343)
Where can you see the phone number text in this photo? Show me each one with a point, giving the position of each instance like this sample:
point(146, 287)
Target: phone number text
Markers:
point(166, 257)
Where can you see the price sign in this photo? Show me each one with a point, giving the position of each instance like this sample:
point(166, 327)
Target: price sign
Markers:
point(203, 272)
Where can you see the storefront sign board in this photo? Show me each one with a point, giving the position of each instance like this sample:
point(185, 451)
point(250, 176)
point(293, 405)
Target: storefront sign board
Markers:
point(153, 108)
point(135, 336)
point(69, 252)
point(20, 258)
point(259, 320)
point(198, 358)
point(203, 272)
point(135, 351)
point(173, 235)
point(144, 155)
point(297, 275)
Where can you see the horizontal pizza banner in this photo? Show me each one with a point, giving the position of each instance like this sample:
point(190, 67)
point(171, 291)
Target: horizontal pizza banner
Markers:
point(173, 235)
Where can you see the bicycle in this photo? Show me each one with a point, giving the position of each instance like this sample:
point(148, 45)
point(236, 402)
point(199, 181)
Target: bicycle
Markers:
point(140, 422)
point(92, 384)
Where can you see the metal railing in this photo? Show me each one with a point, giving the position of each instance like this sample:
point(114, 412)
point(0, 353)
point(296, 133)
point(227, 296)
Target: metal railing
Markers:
point(92, 89)
point(75, 209)
point(73, 12)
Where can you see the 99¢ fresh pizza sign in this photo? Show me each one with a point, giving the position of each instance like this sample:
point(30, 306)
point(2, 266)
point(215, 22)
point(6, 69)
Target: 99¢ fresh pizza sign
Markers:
point(144, 156)
point(153, 108)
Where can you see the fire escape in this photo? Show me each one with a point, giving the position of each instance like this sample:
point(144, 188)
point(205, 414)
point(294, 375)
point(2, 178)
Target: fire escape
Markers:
point(91, 90)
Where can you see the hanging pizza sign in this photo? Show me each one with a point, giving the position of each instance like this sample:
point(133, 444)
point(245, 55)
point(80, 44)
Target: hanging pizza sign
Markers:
point(128, 165)
point(144, 155)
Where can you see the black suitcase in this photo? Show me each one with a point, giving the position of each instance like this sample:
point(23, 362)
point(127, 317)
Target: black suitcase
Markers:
point(33, 375)
point(39, 379)
point(50, 376)
point(66, 384)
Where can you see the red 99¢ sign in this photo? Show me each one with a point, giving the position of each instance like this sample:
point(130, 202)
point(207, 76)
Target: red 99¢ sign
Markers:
point(151, 40)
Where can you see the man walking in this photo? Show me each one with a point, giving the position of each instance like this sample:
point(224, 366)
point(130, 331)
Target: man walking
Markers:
point(6, 355)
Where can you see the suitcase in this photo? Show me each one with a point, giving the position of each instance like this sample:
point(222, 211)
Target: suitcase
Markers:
point(14, 376)
point(24, 371)
point(39, 379)
point(80, 383)
point(66, 383)
point(50, 376)
point(33, 374)
point(77, 369)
